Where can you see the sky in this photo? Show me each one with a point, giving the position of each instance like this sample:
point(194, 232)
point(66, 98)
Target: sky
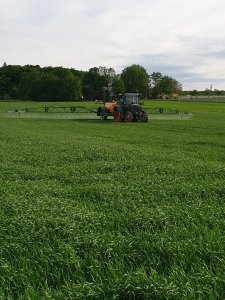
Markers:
point(184, 39)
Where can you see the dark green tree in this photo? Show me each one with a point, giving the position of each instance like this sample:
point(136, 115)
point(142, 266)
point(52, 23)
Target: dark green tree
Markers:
point(49, 87)
point(136, 79)
point(94, 84)
point(155, 80)
point(117, 86)
point(164, 86)
point(4, 83)
point(10, 76)
point(27, 78)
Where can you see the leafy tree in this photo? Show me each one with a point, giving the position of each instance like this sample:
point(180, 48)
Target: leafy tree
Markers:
point(208, 92)
point(49, 87)
point(114, 84)
point(218, 92)
point(25, 84)
point(108, 73)
point(46, 89)
point(94, 83)
point(10, 77)
point(164, 86)
point(177, 90)
point(136, 79)
point(78, 73)
point(117, 86)
point(4, 83)
point(155, 79)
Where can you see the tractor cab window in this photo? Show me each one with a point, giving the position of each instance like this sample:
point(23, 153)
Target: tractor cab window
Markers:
point(129, 98)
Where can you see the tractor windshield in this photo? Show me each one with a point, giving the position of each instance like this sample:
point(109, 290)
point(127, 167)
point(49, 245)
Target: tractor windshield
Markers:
point(131, 98)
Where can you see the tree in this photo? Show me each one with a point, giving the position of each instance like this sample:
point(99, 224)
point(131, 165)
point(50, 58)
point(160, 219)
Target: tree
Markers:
point(164, 86)
point(110, 77)
point(136, 79)
point(95, 83)
point(4, 82)
point(28, 77)
point(49, 87)
point(117, 86)
point(155, 79)
point(108, 73)
point(177, 90)
point(10, 77)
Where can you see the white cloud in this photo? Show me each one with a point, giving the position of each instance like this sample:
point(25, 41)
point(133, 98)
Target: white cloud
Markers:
point(184, 38)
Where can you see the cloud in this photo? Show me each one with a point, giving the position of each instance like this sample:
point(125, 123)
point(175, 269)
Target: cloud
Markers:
point(180, 38)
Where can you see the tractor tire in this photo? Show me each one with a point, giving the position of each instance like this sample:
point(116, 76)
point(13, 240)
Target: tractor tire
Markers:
point(117, 116)
point(99, 111)
point(103, 114)
point(129, 117)
point(144, 117)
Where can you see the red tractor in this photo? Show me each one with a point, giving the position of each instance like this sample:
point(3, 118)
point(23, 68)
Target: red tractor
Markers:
point(127, 109)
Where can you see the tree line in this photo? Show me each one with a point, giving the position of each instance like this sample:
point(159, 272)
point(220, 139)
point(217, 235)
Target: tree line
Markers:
point(207, 92)
point(32, 82)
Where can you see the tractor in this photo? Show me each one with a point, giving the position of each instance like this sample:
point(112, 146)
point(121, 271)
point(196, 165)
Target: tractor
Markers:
point(126, 109)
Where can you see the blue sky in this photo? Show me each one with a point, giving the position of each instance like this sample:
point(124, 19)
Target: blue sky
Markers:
point(184, 39)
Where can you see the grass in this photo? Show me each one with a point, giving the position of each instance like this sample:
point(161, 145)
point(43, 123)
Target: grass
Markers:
point(93, 210)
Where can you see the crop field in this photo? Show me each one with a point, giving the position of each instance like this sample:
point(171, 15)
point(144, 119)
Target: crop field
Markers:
point(104, 210)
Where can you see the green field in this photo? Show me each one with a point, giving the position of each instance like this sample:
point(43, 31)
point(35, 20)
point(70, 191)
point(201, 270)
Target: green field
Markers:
point(104, 210)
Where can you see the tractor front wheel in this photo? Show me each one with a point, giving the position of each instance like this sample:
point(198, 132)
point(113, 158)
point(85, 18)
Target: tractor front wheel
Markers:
point(144, 117)
point(103, 113)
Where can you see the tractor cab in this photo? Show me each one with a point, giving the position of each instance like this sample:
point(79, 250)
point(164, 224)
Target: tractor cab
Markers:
point(129, 98)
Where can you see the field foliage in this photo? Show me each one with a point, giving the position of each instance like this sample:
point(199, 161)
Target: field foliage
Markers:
point(94, 210)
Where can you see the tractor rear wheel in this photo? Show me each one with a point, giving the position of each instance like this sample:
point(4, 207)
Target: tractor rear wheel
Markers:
point(129, 117)
point(117, 116)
